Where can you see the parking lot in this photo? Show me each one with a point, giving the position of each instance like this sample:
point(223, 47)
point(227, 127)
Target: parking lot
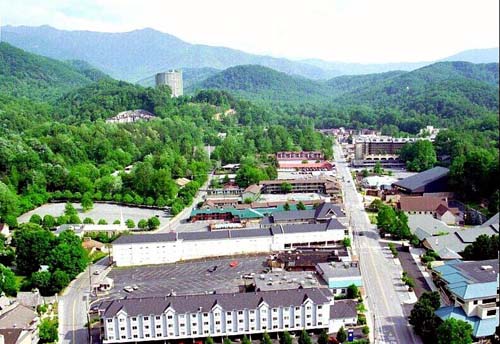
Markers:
point(187, 277)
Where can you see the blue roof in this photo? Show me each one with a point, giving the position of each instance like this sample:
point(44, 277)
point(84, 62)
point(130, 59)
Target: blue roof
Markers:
point(345, 283)
point(474, 291)
point(480, 327)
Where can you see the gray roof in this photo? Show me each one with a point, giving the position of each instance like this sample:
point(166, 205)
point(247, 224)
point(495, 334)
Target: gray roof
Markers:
point(248, 233)
point(326, 210)
point(458, 240)
point(293, 215)
point(492, 222)
point(470, 235)
point(426, 225)
point(419, 181)
point(145, 238)
point(474, 271)
point(343, 309)
point(338, 270)
point(204, 303)
point(223, 234)
point(19, 317)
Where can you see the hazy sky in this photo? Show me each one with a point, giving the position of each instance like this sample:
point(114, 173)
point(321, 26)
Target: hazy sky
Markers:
point(336, 30)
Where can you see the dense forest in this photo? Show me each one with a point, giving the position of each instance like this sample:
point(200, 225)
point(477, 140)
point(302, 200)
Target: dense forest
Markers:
point(63, 149)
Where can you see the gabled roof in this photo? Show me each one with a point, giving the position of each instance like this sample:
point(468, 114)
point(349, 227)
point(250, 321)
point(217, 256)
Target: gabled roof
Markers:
point(421, 203)
point(204, 303)
point(419, 181)
point(343, 309)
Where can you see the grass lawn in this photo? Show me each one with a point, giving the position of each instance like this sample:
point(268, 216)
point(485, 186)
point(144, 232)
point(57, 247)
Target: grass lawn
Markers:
point(97, 255)
point(19, 281)
point(373, 218)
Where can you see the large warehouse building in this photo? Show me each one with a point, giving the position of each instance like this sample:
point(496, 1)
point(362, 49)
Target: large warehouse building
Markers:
point(161, 248)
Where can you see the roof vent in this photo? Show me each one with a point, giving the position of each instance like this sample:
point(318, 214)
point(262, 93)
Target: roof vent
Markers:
point(486, 267)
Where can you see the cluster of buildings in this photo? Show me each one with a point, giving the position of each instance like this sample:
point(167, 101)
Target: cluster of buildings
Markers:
point(324, 226)
point(173, 79)
point(131, 116)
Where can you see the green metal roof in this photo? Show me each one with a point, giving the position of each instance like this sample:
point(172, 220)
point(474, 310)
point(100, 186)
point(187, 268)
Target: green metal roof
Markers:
point(248, 213)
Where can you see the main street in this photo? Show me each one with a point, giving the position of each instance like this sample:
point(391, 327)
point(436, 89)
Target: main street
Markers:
point(379, 272)
point(73, 305)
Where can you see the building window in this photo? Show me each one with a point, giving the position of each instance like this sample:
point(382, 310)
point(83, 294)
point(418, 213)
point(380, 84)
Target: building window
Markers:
point(240, 312)
point(146, 318)
point(158, 326)
point(217, 322)
point(193, 315)
point(169, 317)
point(134, 327)
point(110, 320)
point(205, 323)
point(122, 328)
point(240, 321)
point(135, 336)
point(491, 312)
point(320, 307)
point(228, 313)
point(492, 300)
point(475, 302)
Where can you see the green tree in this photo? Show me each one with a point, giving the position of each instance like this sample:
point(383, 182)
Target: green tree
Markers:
point(209, 340)
point(153, 223)
point(33, 246)
point(88, 221)
point(227, 341)
point(36, 219)
point(286, 207)
point(8, 283)
point(48, 331)
point(352, 292)
point(87, 202)
point(483, 248)
point(366, 330)
point(69, 209)
point(49, 221)
point(102, 222)
point(245, 340)
point(419, 155)
point(74, 219)
point(301, 206)
point(41, 280)
point(346, 242)
point(341, 335)
point(453, 331)
point(142, 224)
point(68, 255)
point(286, 187)
point(323, 338)
point(304, 338)
point(130, 223)
point(423, 318)
point(377, 169)
point(59, 280)
point(286, 338)
point(266, 339)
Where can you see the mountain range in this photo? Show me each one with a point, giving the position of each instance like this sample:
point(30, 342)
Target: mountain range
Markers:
point(139, 54)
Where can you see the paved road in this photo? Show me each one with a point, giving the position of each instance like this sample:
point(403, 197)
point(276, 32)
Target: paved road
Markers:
point(73, 306)
point(380, 273)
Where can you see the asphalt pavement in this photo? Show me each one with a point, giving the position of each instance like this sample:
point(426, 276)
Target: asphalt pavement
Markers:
point(381, 274)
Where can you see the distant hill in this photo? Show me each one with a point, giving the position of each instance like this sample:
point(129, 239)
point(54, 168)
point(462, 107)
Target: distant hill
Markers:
point(262, 83)
point(139, 54)
point(190, 76)
point(36, 77)
point(342, 68)
point(446, 89)
point(476, 56)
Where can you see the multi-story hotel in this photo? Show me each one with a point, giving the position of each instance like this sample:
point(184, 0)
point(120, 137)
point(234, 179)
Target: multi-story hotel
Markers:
point(197, 316)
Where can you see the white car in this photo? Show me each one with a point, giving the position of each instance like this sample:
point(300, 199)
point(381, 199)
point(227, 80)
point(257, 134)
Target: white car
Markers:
point(97, 272)
point(128, 289)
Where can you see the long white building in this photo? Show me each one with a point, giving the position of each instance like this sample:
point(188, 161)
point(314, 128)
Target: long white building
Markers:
point(146, 249)
point(197, 316)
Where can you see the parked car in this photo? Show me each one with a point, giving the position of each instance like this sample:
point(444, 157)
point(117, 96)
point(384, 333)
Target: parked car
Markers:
point(135, 287)
point(234, 263)
point(128, 289)
point(212, 269)
point(97, 272)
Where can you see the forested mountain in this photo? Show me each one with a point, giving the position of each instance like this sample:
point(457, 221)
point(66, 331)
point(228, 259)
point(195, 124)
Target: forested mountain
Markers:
point(138, 54)
point(24, 74)
point(446, 89)
point(262, 83)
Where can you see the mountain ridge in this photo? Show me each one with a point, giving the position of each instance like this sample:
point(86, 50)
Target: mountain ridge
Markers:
point(138, 54)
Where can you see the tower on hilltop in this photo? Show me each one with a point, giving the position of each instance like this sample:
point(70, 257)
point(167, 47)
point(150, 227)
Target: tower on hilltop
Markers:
point(173, 79)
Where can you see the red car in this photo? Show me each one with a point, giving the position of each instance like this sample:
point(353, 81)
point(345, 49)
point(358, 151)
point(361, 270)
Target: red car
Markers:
point(233, 264)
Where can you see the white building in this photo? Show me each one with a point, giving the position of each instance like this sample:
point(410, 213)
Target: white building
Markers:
point(161, 248)
point(215, 315)
point(173, 79)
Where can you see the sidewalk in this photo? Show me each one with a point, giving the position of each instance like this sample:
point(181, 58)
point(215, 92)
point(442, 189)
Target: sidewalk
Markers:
point(415, 253)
